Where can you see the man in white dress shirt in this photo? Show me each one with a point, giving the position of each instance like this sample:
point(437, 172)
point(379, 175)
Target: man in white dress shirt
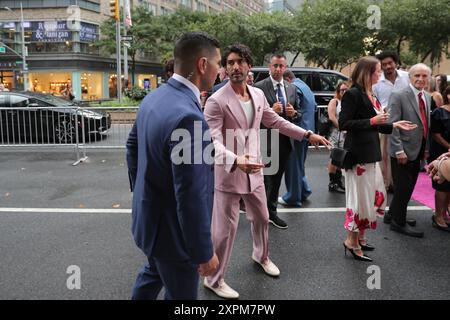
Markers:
point(391, 79)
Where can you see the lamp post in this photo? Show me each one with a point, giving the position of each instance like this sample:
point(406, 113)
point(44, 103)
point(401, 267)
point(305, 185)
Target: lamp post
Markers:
point(24, 53)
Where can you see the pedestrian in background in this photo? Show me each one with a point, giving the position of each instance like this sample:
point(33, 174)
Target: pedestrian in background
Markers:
point(392, 78)
point(440, 143)
point(282, 97)
point(363, 118)
point(408, 149)
point(172, 199)
point(297, 186)
point(337, 137)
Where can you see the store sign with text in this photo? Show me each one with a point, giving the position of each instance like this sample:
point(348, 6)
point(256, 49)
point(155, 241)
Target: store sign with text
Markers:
point(88, 32)
point(50, 31)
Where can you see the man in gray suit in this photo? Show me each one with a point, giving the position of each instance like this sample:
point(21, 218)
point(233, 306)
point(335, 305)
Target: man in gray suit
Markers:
point(282, 97)
point(407, 148)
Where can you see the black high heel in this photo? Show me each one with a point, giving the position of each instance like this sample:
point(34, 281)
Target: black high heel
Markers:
point(366, 247)
point(355, 256)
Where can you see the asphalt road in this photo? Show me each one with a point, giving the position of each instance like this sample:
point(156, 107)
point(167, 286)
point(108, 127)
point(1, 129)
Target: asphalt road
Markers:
point(38, 244)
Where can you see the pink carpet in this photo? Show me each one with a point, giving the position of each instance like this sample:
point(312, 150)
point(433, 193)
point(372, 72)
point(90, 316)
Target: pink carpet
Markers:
point(423, 191)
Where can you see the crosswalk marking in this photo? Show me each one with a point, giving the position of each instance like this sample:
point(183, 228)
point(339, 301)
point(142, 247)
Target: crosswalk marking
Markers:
point(128, 211)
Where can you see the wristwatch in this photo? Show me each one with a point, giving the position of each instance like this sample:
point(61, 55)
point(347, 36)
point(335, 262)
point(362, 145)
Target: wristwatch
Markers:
point(308, 134)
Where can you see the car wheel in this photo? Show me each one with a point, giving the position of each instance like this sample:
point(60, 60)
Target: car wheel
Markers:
point(65, 131)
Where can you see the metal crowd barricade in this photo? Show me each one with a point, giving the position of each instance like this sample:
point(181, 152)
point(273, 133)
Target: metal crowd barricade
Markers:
point(43, 128)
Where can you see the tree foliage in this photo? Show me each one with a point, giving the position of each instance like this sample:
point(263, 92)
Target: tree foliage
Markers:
point(329, 33)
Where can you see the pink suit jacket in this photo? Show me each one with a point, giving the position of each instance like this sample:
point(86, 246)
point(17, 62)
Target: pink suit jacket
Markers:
point(223, 112)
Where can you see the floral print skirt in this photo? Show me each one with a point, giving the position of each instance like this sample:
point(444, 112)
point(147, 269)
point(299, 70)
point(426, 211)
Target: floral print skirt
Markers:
point(365, 196)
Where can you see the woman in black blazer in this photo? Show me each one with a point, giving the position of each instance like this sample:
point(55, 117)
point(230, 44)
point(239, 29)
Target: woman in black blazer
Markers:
point(363, 118)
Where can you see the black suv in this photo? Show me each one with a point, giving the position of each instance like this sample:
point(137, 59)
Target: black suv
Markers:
point(321, 81)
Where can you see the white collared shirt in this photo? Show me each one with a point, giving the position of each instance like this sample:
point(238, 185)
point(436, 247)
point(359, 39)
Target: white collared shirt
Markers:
point(384, 87)
point(188, 84)
point(275, 87)
point(416, 94)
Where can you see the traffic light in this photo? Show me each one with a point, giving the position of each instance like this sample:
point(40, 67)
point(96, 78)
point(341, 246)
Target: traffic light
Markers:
point(114, 9)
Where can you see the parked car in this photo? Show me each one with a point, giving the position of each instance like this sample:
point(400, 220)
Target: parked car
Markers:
point(35, 117)
point(322, 82)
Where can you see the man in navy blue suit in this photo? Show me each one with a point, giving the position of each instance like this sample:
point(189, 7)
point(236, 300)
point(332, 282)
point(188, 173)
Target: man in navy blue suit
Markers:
point(171, 180)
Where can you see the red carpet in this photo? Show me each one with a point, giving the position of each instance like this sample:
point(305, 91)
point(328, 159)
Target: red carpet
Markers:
point(423, 192)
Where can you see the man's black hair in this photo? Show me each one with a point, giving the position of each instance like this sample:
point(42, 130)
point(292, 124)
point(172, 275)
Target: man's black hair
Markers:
point(388, 54)
point(193, 44)
point(241, 49)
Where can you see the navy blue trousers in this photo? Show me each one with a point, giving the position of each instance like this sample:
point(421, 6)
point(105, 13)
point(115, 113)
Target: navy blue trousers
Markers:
point(179, 279)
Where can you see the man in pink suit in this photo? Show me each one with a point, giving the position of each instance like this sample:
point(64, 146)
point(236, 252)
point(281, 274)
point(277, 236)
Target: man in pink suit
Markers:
point(234, 114)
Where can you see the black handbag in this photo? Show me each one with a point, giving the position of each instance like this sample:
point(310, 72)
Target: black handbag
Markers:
point(339, 155)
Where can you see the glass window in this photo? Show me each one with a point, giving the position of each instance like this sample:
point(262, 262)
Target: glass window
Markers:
point(18, 101)
point(329, 81)
point(2, 100)
point(305, 77)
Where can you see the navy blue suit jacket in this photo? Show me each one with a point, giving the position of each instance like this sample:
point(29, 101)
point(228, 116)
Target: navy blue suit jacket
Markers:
point(172, 203)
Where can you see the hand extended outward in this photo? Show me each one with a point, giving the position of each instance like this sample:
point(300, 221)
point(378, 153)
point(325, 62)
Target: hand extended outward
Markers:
point(405, 125)
point(208, 268)
point(402, 158)
point(245, 164)
point(317, 140)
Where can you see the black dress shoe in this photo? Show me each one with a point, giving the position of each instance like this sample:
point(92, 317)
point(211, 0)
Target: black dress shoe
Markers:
point(406, 229)
point(388, 218)
point(277, 222)
point(435, 225)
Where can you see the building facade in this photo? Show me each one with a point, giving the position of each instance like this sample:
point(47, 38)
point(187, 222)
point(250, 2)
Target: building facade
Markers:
point(61, 51)
point(159, 7)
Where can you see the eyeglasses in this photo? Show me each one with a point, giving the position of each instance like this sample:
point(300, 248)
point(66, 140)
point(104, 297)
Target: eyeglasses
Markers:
point(342, 90)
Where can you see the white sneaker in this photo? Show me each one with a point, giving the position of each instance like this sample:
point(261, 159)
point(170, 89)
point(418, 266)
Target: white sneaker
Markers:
point(282, 202)
point(269, 267)
point(223, 290)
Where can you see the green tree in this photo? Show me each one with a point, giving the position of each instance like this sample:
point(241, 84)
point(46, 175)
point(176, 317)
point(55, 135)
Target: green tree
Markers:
point(417, 28)
point(332, 33)
point(174, 25)
point(270, 33)
point(146, 31)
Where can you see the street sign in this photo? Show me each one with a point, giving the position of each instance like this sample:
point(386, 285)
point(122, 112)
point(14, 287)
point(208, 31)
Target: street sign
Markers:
point(2, 49)
point(19, 62)
point(126, 38)
point(126, 44)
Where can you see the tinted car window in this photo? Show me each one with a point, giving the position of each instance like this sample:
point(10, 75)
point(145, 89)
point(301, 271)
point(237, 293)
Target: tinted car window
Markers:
point(37, 103)
point(260, 75)
point(3, 101)
point(18, 101)
point(329, 81)
point(305, 77)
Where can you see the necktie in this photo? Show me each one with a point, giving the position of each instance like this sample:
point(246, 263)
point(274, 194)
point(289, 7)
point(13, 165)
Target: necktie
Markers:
point(423, 114)
point(281, 98)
